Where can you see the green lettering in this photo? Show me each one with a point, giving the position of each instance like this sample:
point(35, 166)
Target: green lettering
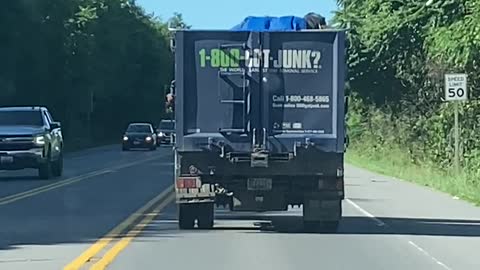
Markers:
point(235, 57)
point(215, 61)
point(202, 57)
point(225, 59)
point(219, 58)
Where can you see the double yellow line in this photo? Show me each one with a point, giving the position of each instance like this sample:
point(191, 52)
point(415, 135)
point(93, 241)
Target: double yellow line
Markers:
point(158, 204)
point(35, 191)
point(32, 192)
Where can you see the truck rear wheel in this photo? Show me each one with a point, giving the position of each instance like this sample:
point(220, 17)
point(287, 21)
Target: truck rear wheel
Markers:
point(312, 226)
point(206, 215)
point(331, 226)
point(321, 227)
point(320, 215)
point(186, 216)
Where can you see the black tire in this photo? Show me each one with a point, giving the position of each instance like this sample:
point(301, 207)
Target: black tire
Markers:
point(321, 227)
point(206, 215)
point(45, 170)
point(331, 226)
point(57, 166)
point(311, 226)
point(186, 217)
point(125, 148)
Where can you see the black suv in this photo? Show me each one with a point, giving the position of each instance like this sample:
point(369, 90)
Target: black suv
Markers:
point(29, 138)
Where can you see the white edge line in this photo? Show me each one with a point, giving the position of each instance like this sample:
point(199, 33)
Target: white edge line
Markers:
point(381, 223)
point(428, 255)
point(366, 213)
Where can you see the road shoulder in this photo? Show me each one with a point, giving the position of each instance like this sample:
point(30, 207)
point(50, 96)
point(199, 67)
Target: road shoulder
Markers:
point(437, 224)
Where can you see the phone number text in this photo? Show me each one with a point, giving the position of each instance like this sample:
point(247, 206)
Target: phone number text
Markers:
point(300, 98)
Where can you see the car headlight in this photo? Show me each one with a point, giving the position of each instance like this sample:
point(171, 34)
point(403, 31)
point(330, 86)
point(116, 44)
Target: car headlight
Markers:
point(148, 138)
point(39, 140)
point(161, 134)
point(125, 138)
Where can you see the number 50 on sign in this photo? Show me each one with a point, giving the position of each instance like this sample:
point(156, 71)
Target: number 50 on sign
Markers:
point(456, 87)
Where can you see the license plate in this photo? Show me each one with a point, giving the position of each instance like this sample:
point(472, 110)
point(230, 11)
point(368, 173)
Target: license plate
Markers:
point(6, 159)
point(259, 184)
point(136, 143)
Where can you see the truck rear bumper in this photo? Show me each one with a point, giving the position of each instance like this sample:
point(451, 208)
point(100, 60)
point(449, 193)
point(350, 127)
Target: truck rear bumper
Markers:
point(279, 201)
point(194, 195)
point(314, 182)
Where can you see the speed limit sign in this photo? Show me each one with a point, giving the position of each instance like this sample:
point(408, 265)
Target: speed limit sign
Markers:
point(456, 87)
point(456, 90)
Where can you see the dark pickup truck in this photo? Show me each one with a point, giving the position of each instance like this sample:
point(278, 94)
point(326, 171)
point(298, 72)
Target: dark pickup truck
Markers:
point(29, 138)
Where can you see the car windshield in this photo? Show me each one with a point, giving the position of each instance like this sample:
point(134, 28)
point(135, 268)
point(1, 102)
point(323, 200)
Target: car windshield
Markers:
point(139, 128)
point(21, 118)
point(167, 125)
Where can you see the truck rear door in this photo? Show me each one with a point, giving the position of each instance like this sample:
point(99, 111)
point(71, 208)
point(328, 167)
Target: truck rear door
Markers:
point(217, 97)
point(269, 89)
point(302, 83)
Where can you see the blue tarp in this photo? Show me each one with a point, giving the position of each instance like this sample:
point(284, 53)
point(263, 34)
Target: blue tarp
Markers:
point(265, 24)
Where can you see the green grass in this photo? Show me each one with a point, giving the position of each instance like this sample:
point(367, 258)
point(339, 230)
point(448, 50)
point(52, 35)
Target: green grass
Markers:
point(395, 162)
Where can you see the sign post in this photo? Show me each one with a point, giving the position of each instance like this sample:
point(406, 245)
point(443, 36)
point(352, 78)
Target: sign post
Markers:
point(456, 91)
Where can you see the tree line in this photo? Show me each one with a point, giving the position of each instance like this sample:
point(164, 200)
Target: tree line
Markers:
point(99, 64)
point(96, 64)
point(398, 54)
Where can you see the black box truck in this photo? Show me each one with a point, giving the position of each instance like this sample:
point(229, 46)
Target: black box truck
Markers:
point(260, 123)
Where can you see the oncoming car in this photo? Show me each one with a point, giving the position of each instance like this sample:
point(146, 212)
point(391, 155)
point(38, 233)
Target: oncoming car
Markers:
point(139, 135)
point(166, 132)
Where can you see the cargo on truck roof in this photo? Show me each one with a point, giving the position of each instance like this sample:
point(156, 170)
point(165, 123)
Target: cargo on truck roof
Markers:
point(284, 23)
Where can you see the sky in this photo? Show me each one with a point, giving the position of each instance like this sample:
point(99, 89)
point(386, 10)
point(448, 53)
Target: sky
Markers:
point(224, 14)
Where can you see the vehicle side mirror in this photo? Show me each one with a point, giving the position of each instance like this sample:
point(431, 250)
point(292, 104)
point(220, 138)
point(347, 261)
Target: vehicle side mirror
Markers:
point(172, 45)
point(55, 125)
point(347, 142)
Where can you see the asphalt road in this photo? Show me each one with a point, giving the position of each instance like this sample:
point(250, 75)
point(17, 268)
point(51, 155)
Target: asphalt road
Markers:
point(46, 224)
point(113, 210)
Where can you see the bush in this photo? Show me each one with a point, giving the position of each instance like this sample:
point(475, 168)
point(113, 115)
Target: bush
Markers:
point(398, 53)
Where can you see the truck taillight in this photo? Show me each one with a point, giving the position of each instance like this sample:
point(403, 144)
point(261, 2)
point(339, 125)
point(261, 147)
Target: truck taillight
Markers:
point(188, 182)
